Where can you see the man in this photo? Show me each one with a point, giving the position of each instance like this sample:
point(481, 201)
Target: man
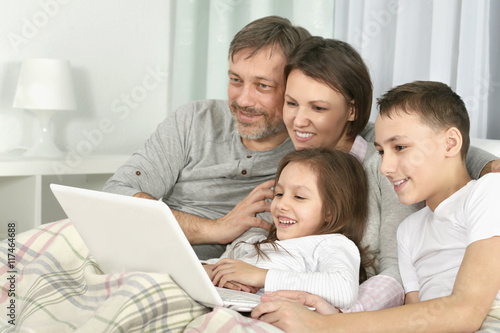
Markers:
point(205, 159)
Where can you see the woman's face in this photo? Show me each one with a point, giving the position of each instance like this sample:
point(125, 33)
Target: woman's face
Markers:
point(315, 115)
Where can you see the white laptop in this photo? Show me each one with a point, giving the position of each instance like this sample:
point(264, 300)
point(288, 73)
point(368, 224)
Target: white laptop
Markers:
point(131, 234)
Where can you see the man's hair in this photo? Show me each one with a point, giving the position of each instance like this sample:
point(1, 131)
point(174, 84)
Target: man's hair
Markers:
point(437, 105)
point(273, 31)
point(338, 65)
point(343, 187)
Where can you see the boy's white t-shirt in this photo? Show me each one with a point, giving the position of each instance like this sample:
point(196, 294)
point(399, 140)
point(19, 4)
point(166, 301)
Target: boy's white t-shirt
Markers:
point(431, 245)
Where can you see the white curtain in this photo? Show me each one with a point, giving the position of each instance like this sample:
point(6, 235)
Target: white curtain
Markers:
point(453, 41)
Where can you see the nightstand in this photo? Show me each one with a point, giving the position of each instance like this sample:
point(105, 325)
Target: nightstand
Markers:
point(25, 196)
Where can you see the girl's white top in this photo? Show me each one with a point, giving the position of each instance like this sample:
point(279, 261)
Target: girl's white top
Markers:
point(326, 265)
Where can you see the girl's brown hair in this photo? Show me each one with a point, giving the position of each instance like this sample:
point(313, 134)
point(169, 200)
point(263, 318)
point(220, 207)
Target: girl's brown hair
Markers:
point(342, 184)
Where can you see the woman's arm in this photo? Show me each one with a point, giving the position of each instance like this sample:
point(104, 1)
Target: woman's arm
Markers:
point(476, 286)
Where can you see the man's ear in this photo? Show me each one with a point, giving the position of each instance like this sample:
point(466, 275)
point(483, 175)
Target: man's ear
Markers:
point(453, 141)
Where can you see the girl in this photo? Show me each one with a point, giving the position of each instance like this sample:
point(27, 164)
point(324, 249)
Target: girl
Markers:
point(319, 211)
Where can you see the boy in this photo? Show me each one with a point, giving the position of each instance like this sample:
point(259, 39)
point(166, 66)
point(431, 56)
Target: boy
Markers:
point(449, 249)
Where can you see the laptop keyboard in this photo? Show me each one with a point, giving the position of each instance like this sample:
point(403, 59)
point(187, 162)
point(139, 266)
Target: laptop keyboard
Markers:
point(238, 297)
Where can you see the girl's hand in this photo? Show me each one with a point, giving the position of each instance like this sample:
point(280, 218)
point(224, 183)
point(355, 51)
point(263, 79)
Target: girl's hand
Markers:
point(208, 268)
point(230, 285)
point(241, 287)
point(238, 272)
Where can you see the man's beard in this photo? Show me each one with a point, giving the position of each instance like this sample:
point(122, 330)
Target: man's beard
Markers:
point(252, 131)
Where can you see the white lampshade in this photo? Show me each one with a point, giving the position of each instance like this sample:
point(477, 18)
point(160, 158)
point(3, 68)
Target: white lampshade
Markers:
point(45, 87)
point(45, 84)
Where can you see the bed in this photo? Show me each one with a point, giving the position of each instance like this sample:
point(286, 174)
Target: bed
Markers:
point(51, 283)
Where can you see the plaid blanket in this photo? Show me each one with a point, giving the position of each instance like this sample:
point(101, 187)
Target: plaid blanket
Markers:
point(224, 320)
point(51, 283)
point(55, 285)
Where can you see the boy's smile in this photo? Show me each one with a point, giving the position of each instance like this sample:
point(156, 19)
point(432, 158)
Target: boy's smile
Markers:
point(399, 184)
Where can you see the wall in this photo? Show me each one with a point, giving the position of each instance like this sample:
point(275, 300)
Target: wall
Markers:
point(122, 51)
point(119, 52)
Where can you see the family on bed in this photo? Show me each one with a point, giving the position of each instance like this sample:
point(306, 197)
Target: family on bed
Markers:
point(296, 194)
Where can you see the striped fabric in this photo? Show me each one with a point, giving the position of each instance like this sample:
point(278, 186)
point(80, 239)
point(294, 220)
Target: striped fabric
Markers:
point(359, 148)
point(224, 320)
point(59, 288)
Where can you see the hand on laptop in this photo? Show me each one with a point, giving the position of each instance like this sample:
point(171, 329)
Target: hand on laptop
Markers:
point(230, 284)
point(208, 269)
point(241, 287)
point(239, 273)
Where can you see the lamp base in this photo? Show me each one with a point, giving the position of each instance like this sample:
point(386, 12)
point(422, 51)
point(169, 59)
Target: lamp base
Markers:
point(44, 146)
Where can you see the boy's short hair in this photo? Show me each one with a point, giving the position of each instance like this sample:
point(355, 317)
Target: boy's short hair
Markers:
point(438, 106)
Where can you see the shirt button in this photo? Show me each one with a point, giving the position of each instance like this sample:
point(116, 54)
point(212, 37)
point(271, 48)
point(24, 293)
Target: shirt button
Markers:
point(243, 172)
point(138, 173)
point(249, 156)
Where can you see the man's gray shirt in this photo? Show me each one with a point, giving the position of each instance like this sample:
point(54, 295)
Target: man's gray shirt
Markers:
point(195, 161)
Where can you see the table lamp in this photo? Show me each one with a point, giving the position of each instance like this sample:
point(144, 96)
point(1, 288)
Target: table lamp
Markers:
point(45, 88)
